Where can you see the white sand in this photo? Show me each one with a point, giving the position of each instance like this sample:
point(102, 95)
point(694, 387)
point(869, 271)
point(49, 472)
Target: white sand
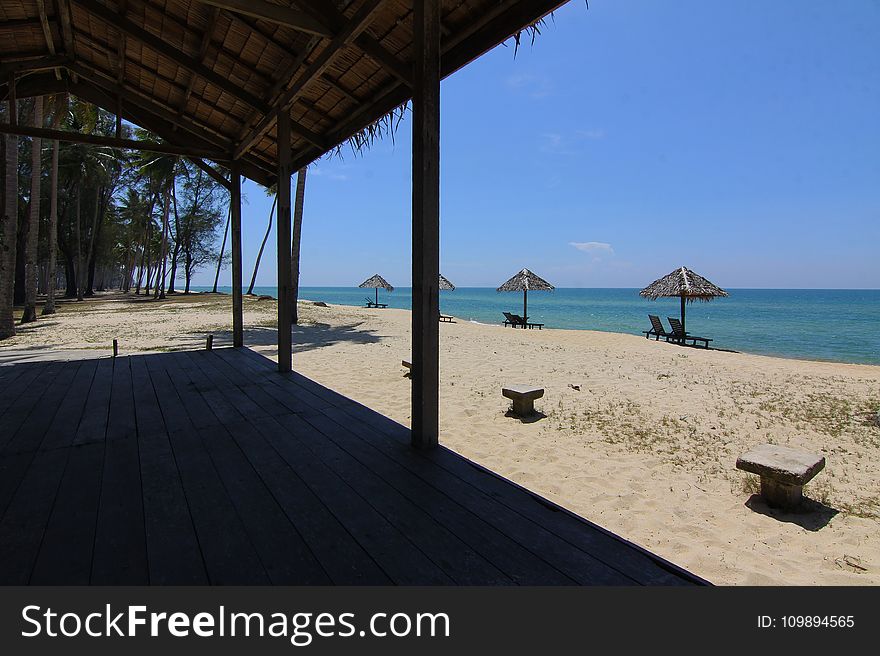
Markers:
point(646, 447)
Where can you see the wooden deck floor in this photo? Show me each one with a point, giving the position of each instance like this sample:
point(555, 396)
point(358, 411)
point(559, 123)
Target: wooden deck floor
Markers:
point(211, 468)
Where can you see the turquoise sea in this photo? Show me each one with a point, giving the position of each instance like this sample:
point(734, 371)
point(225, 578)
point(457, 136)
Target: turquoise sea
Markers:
point(840, 325)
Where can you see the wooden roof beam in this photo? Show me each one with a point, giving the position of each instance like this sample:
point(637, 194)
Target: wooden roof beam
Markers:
point(357, 24)
point(47, 33)
point(112, 142)
point(162, 48)
point(203, 50)
point(370, 46)
point(66, 22)
point(211, 171)
point(36, 64)
point(286, 16)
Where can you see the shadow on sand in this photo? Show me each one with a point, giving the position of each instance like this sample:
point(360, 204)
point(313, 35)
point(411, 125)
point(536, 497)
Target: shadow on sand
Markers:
point(812, 515)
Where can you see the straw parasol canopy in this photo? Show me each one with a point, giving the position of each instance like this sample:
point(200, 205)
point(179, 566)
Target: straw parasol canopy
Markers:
point(376, 282)
point(526, 281)
point(445, 285)
point(685, 284)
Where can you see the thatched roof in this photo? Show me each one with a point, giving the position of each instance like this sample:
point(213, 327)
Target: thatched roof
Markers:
point(683, 283)
point(377, 282)
point(213, 76)
point(445, 284)
point(525, 280)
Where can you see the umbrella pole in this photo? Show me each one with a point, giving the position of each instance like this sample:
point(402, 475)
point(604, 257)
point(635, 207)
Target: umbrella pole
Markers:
point(525, 305)
point(377, 296)
point(682, 314)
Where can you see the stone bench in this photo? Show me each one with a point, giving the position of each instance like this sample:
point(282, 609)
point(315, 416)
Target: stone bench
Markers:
point(784, 472)
point(523, 397)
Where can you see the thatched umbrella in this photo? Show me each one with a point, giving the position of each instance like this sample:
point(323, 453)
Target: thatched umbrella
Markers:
point(376, 282)
point(685, 284)
point(526, 281)
point(445, 285)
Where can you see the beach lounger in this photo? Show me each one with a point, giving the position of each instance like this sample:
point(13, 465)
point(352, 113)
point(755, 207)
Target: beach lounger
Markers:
point(446, 318)
point(680, 336)
point(517, 321)
point(373, 304)
point(657, 330)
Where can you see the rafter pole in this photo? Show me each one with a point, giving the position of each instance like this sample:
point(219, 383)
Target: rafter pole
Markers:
point(426, 225)
point(158, 45)
point(235, 213)
point(66, 29)
point(357, 24)
point(285, 298)
point(111, 142)
point(287, 16)
point(47, 33)
point(213, 173)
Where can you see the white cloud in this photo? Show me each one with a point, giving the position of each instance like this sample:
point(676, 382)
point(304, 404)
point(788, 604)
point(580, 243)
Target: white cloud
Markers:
point(537, 86)
point(595, 248)
point(330, 175)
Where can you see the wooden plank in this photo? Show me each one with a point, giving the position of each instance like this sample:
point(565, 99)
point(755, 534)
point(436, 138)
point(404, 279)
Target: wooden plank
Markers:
point(282, 550)
point(19, 378)
point(459, 561)
point(93, 425)
point(121, 417)
point(342, 557)
point(30, 389)
point(229, 555)
point(255, 391)
point(477, 524)
point(31, 431)
point(149, 416)
point(66, 421)
point(228, 387)
point(398, 557)
point(174, 555)
point(426, 225)
point(579, 532)
point(65, 556)
point(186, 409)
point(24, 522)
point(120, 556)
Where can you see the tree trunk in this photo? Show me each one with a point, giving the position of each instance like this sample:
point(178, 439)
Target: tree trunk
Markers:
point(90, 257)
point(262, 246)
point(79, 262)
point(297, 233)
point(8, 230)
point(222, 250)
point(33, 235)
point(49, 306)
point(162, 264)
point(175, 254)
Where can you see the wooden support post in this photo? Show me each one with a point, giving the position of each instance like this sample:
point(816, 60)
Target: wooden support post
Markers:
point(115, 348)
point(209, 344)
point(235, 209)
point(426, 224)
point(285, 296)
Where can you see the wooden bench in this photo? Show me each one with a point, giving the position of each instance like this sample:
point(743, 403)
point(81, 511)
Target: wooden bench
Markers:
point(523, 397)
point(408, 365)
point(445, 318)
point(784, 472)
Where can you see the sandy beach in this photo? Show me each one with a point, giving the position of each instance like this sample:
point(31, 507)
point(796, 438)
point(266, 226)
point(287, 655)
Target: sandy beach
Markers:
point(638, 436)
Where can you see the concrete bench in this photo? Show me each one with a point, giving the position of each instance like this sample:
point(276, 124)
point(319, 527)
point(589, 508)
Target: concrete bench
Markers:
point(784, 472)
point(523, 397)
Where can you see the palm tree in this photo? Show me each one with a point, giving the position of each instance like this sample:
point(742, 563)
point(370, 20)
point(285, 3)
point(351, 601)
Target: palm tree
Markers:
point(59, 109)
point(271, 190)
point(32, 238)
point(8, 228)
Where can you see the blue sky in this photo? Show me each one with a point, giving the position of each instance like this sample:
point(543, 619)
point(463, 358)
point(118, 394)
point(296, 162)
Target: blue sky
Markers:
point(739, 139)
